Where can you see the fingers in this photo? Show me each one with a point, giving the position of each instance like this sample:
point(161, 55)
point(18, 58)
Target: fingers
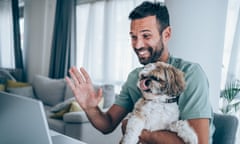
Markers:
point(145, 136)
point(99, 93)
point(79, 77)
point(75, 82)
point(86, 76)
point(69, 82)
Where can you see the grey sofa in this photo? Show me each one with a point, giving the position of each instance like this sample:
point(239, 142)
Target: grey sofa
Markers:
point(226, 129)
point(56, 96)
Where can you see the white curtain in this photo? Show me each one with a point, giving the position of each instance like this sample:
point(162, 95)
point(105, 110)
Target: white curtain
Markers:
point(103, 41)
point(231, 55)
point(6, 35)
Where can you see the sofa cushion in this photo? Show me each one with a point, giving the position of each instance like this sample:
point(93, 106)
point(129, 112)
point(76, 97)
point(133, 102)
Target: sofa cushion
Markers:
point(56, 125)
point(23, 91)
point(49, 91)
point(75, 117)
point(66, 106)
point(68, 93)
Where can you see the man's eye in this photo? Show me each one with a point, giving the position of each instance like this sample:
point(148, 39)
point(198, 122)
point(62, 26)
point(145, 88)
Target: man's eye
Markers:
point(133, 37)
point(146, 36)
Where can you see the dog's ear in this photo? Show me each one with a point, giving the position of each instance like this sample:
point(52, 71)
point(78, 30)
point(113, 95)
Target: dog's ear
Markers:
point(176, 80)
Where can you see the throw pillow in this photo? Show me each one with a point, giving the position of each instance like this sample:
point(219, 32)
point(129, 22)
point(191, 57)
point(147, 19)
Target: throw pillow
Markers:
point(69, 105)
point(59, 114)
point(15, 84)
point(2, 87)
point(49, 91)
point(23, 91)
point(62, 105)
point(75, 107)
point(68, 93)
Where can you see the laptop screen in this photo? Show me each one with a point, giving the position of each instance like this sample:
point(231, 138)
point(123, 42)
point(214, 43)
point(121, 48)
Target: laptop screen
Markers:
point(22, 120)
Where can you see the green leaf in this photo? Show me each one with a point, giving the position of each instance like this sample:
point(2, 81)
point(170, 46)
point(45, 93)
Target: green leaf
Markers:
point(231, 94)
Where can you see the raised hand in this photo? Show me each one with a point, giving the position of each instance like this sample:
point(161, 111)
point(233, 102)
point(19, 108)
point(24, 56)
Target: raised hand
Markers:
point(82, 88)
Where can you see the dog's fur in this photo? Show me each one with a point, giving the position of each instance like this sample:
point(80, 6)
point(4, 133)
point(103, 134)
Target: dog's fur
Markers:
point(159, 82)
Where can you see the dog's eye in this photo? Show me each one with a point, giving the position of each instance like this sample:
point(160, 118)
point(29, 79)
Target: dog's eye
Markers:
point(157, 79)
point(143, 77)
point(154, 78)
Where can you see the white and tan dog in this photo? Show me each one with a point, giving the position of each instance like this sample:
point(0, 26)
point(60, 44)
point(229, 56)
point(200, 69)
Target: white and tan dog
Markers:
point(160, 84)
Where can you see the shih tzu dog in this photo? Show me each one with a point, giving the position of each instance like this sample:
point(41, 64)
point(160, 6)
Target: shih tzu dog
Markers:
point(160, 84)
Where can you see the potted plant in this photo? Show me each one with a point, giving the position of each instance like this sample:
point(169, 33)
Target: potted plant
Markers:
point(230, 97)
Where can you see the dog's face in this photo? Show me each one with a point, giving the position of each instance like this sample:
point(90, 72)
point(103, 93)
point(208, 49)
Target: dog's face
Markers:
point(160, 78)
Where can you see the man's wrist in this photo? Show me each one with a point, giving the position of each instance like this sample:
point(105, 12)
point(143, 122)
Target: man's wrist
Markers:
point(92, 110)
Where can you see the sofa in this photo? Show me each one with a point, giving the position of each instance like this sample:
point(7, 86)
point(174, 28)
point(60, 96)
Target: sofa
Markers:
point(63, 113)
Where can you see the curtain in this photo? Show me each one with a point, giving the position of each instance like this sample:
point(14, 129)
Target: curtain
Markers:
point(103, 41)
point(6, 35)
point(16, 35)
point(231, 60)
point(63, 43)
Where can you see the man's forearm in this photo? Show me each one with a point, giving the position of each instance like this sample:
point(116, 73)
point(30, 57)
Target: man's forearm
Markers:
point(100, 120)
point(160, 137)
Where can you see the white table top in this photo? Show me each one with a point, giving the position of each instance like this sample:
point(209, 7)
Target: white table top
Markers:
point(59, 138)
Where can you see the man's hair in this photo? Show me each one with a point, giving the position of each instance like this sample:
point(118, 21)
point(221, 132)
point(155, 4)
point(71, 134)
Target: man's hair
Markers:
point(157, 9)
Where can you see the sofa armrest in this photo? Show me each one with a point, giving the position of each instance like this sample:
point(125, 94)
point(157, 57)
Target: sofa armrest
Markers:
point(75, 117)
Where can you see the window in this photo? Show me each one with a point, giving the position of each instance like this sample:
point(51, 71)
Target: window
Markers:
point(7, 56)
point(231, 53)
point(21, 21)
point(6, 35)
point(103, 41)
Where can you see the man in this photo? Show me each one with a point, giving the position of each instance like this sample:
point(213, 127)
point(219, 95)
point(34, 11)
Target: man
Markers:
point(150, 32)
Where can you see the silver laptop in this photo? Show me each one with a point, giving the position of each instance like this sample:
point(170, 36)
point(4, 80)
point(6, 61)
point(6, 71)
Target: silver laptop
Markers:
point(23, 121)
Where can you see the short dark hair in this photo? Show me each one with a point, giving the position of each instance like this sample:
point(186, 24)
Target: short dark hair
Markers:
point(157, 9)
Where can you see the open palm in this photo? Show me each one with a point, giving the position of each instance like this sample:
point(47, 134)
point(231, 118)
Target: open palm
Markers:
point(82, 88)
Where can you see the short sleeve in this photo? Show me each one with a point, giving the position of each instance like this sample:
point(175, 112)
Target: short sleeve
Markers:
point(194, 102)
point(129, 93)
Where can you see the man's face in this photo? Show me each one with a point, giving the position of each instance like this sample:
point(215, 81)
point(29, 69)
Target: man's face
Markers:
point(146, 39)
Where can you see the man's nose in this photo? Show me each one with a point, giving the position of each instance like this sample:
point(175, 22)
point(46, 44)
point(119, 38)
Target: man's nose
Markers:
point(139, 44)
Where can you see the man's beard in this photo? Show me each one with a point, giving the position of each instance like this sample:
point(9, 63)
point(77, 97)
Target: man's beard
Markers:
point(154, 55)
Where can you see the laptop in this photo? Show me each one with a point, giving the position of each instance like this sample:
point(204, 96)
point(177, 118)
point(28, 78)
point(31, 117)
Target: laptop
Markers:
point(23, 121)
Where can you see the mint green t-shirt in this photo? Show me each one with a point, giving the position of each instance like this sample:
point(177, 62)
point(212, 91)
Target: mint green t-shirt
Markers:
point(193, 102)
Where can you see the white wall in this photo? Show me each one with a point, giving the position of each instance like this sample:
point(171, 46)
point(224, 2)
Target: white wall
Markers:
point(198, 35)
point(38, 25)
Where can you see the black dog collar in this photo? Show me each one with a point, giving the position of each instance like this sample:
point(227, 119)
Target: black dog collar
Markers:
point(164, 100)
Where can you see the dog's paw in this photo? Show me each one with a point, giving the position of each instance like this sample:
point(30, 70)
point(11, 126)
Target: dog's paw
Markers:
point(185, 131)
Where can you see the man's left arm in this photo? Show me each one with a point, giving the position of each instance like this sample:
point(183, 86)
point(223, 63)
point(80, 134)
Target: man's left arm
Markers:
point(200, 126)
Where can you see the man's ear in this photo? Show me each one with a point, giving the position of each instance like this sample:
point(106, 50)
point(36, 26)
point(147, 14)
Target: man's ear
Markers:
point(166, 34)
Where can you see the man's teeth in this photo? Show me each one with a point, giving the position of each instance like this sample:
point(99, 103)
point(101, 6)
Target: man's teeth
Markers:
point(142, 52)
